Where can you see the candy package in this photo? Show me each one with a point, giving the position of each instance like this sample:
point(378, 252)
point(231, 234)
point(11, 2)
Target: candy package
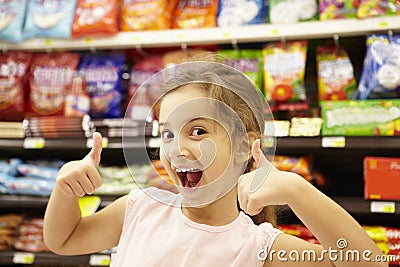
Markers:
point(12, 15)
point(103, 83)
point(292, 11)
point(335, 74)
point(146, 15)
point(337, 9)
point(13, 69)
point(284, 68)
point(374, 8)
point(49, 76)
point(380, 76)
point(195, 14)
point(236, 13)
point(95, 17)
point(49, 18)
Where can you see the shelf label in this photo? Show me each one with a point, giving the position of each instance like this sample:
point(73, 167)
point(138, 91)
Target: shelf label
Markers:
point(100, 260)
point(333, 141)
point(275, 31)
point(88, 40)
point(34, 143)
point(383, 207)
point(89, 142)
point(226, 35)
point(48, 42)
point(180, 36)
point(88, 205)
point(23, 258)
point(154, 142)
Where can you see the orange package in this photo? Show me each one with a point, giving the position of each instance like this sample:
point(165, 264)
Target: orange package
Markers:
point(95, 18)
point(146, 15)
point(195, 14)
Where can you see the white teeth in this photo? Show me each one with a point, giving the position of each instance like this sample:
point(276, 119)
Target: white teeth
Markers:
point(187, 170)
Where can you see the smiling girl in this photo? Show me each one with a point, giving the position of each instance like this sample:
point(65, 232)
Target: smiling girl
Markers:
point(211, 122)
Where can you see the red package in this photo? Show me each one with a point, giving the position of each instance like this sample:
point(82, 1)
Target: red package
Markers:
point(13, 69)
point(195, 14)
point(296, 230)
point(95, 17)
point(49, 75)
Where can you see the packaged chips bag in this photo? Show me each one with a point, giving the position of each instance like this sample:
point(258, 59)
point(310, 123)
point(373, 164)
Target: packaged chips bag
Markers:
point(12, 16)
point(333, 9)
point(13, 69)
point(49, 18)
point(103, 83)
point(380, 77)
point(146, 14)
point(284, 69)
point(50, 74)
point(292, 11)
point(335, 74)
point(95, 17)
point(241, 12)
point(195, 14)
point(374, 8)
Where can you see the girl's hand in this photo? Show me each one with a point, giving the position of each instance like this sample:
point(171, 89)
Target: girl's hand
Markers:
point(264, 186)
point(77, 178)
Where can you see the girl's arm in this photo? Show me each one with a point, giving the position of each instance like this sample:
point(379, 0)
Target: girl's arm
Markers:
point(334, 228)
point(65, 231)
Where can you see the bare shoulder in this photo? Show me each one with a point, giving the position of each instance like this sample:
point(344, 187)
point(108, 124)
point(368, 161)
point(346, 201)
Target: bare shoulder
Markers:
point(286, 248)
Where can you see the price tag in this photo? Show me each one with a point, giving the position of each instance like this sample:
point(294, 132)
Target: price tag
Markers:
point(180, 36)
point(333, 141)
point(136, 39)
point(34, 143)
point(226, 34)
point(48, 42)
point(100, 260)
point(88, 40)
point(23, 258)
point(154, 142)
point(275, 32)
point(89, 142)
point(383, 207)
point(383, 24)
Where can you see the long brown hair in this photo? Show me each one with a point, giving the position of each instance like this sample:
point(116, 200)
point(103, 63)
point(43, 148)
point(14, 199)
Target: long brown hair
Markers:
point(227, 85)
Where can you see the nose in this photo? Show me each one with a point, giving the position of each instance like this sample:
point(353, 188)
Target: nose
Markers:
point(176, 149)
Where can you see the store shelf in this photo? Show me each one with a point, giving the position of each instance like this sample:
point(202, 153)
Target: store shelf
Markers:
point(220, 35)
point(360, 206)
point(18, 257)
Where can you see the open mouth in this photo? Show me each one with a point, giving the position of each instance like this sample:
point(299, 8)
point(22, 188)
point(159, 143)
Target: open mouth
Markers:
point(189, 177)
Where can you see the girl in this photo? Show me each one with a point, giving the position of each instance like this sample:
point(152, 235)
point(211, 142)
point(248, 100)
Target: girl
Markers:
point(211, 121)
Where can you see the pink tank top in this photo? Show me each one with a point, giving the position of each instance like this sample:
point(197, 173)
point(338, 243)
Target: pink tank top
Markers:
point(156, 234)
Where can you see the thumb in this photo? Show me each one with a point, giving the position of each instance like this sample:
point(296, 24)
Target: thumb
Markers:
point(95, 153)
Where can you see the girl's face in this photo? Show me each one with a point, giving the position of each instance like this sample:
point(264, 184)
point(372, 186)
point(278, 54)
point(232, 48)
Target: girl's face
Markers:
point(196, 148)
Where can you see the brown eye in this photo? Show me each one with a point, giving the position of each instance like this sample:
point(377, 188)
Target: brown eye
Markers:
point(198, 132)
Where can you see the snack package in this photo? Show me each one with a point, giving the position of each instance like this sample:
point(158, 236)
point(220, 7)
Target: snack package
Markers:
point(13, 69)
point(284, 68)
point(103, 83)
point(296, 230)
point(374, 8)
point(361, 117)
point(248, 61)
point(95, 17)
point(292, 11)
point(336, 9)
point(49, 76)
point(12, 15)
point(195, 14)
point(380, 77)
point(49, 18)
point(236, 13)
point(300, 165)
point(335, 74)
point(146, 14)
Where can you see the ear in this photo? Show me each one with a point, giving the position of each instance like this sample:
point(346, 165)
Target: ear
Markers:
point(243, 147)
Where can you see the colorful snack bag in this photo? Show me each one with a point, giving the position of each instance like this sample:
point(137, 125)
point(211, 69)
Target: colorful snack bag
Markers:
point(146, 14)
point(284, 68)
point(13, 67)
point(335, 74)
point(49, 76)
point(195, 14)
point(12, 15)
point(49, 18)
point(380, 76)
point(336, 9)
point(291, 11)
point(374, 8)
point(103, 83)
point(95, 17)
point(235, 13)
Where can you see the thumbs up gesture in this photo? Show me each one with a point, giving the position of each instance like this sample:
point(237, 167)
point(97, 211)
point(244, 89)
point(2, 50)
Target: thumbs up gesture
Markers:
point(264, 186)
point(78, 178)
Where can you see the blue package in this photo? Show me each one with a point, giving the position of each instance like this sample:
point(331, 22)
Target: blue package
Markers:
point(40, 172)
point(380, 77)
point(49, 18)
point(241, 12)
point(29, 186)
point(10, 167)
point(103, 74)
point(12, 16)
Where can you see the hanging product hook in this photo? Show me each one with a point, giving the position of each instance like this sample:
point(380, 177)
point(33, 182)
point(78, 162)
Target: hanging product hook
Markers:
point(140, 50)
point(92, 49)
point(234, 43)
point(336, 41)
point(283, 41)
point(4, 49)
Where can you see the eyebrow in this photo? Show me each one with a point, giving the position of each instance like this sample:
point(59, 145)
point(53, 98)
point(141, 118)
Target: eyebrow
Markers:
point(191, 120)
